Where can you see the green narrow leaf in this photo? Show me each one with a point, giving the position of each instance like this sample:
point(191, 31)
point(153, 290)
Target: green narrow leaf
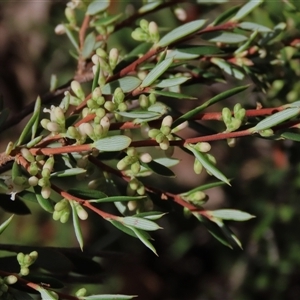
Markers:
point(37, 110)
point(293, 136)
point(5, 224)
point(150, 215)
point(108, 297)
point(105, 21)
point(229, 69)
point(127, 84)
point(246, 45)
point(187, 116)
point(140, 223)
point(246, 9)
point(207, 164)
point(167, 161)
point(158, 168)
point(180, 32)
point(68, 172)
point(76, 225)
point(149, 6)
point(86, 194)
point(96, 78)
point(203, 188)
point(139, 114)
point(123, 228)
point(46, 204)
point(231, 214)
point(156, 72)
point(165, 83)
point(32, 123)
point(96, 7)
point(172, 94)
point(226, 15)
point(88, 45)
point(276, 119)
point(71, 38)
point(273, 34)
point(224, 37)
point(199, 50)
point(144, 238)
point(112, 143)
point(117, 199)
point(254, 27)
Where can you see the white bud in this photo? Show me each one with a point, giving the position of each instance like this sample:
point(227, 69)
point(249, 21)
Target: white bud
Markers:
point(167, 121)
point(60, 29)
point(180, 13)
point(145, 157)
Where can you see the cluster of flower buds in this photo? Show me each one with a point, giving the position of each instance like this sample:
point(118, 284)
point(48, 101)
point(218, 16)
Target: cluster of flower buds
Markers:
point(163, 136)
point(233, 122)
point(197, 198)
point(61, 211)
point(147, 32)
point(146, 101)
point(56, 123)
point(135, 187)
point(25, 261)
point(132, 160)
point(203, 147)
point(106, 62)
point(117, 103)
point(4, 283)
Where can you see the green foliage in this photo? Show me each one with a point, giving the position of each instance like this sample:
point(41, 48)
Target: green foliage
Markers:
point(115, 128)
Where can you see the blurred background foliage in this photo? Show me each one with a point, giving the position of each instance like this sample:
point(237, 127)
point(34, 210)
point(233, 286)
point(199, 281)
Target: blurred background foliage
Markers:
point(191, 264)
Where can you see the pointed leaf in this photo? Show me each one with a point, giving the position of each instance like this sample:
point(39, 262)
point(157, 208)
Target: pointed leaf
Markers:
point(203, 188)
point(172, 94)
point(246, 9)
point(140, 223)
point(96, 7)
point(254, 27)
point(105, 21)
point(156, 72)
point(138, 114)
point(72, 38)
point(5, 224)
point(149, 6)
point(199, 50)
point(224, 37)
point(226, 15)
point(151, 215)
point(187, 116)
point(229, 69)
point(208, 165)
point(46, 204)
point(276, 119)
point(158, 168)
point(143, 237)
point(113, 143)
point(88, 46)
point(180, 32)
point(86, 194)
point(293, 136)
point(231, 214)
point(117, 199)
point(167, 161)
point(68, 172)
point(172, 82)
point(76, 225)
point(127, 84)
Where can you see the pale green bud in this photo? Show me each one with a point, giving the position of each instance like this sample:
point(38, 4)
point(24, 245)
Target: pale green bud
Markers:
point(70, 15)
point(27, 155)
point(144, 101)
point(81, 212)
point(153, 31)
point(226, 115)
point(105, 123)
point(145, 157)
point(96, 60)
point(152, 133)
point(98, 130)
point(61, 205)
point(101, 53)
point(132, 205)
point(231, 142)
point(49, 163)
point(122, 106)
point(46, 173)
point(96, 93)
point(92, 104)
point(20, 258)
point(211, 158)
point(72, 133)
point(11, 279)
point(203, 147)
point(77, 89)
point(60, 29)
point(166, 130)
point(160, 138)
point(240, 114)
point(44, 123)
point(134, 184)
point(131, 151)
point(167, 121)
point(53, 127)
point(141, 190)
point(164, 145)
point(46, 192)
point(197, 166)
point(135, 167)
point(122, 165)
point(33, 181)
point(65, 217)
point(139, 35)
point(144, 24)
point(152, 98)
point(86, 111)
point(236, 108)
point(113, 57)
point(56, 215)
point(266, 132)
point(88, 129)
point(81, 292)
point(234, 124)
point(100, 113)
point(110, 106)
point(118, 95)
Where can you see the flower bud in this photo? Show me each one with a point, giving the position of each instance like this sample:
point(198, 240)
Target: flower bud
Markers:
point(11, 279)
point(203, 147)
point(113, 57)
point(135, 167)
point(46, 173)
point(27, 155)
point(65, 217)
point(141, 190)
point(144, 101)
point(134, 184)
point(33, 181)
point(105, 123)
point(144, 24)
point(226, 115)
point(57, 215)
point(20, 258)
point(152, 98)
point(100, 112)
point(180, 126)
point(153, 31)
point(81, 292)
point(101, 53)
point(70, 15)
point(165, 130)
point(96, 60)
point(132, 205)
point(77, 89)
point(164, 145)
point(44, 123)
point(49, 163)
point(152, 133)
point(53, 127)
point(160, 138)
point(118, 96)
point(60, 29)
point(46, 192)
point(167, 121)
point(110, 106)
point(72, 133)
point(122, 107)
point(145, 158)
point(180, 14)
point(24, 271)
point(197, 166)
point(61, 205)
point(139, 35)
point(81, 212)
